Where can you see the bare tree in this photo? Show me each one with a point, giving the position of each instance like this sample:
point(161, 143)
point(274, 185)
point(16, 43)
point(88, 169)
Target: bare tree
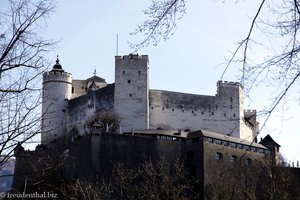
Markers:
point(163, 16)
point(22, 50)
point(106, 122)
point(151, 179)
point(279, 69)
point(273, 30)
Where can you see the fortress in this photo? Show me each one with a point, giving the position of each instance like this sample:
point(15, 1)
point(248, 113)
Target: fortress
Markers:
point(68, 104)
point(212, 135)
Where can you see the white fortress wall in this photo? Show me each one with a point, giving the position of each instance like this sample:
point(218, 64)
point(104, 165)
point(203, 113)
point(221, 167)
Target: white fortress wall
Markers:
point(173, 110)
point(131, 97)
point(220, 113)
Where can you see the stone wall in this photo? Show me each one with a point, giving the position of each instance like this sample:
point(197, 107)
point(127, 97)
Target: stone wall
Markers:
point(83, 108)
point(131, 98)
point(56, 93)
point(222, 113)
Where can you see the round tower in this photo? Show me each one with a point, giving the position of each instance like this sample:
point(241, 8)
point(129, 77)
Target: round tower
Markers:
point(57, 88)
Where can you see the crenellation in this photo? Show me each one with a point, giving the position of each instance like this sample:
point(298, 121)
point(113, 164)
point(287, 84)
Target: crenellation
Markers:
point(250, 111)
point(226, 83)
point(72, 102)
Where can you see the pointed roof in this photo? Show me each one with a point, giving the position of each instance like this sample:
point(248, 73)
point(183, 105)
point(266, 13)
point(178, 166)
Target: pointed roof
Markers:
point(95, 79)
point(57, 66)
point(268, 140)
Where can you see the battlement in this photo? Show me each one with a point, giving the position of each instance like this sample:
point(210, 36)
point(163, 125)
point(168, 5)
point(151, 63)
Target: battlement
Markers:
point(57, 73)
point(250, 111)
point(226, 83)
point(132, 56)
point(57, 76)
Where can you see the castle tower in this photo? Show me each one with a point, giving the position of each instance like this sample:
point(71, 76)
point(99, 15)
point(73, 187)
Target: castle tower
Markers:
point(57, 86)
point(131, 98)
point(231, 102)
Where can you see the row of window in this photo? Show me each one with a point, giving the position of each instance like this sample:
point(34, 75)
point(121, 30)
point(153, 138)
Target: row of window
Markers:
point(163, 137)
point(233, 158)
point(219, 157)
point(237, 145)
point(202, 112)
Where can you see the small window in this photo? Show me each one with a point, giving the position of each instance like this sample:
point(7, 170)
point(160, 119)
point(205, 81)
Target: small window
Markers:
point(232, 144)
point(234, 115)
point(246, 147)
point(260, 150)
point(123, 72)
point(212, 113)
point(217, 141)
point(253, 149)
point(163, 108)
point(130, 95)
point(225, 143)
point(139, 72)
point(219, 156)
point(224, 114)
point(173, 109)
point(152, 108)
point(240, 146)
point(72, 90)
point(129, 81)
point(248, 161)
point(202, 113)
point(233, 158)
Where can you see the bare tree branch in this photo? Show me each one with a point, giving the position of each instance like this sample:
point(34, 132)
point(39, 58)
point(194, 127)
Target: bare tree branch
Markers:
point(162, 23)
point(22, 52)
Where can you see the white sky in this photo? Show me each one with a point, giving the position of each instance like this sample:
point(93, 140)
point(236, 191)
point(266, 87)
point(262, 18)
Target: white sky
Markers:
point(191, 61)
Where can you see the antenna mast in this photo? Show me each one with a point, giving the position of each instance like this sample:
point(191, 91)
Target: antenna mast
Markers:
point(117, 51)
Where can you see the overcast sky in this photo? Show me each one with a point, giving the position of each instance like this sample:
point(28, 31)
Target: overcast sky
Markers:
point(191, 61)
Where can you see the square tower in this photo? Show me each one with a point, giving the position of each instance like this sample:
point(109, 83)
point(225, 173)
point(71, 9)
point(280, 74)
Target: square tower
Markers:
point(131, 98)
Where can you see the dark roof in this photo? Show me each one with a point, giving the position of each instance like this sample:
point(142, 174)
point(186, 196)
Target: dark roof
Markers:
point(57, 66)
point(268, 140)
point(95, 79)
point(197, 134)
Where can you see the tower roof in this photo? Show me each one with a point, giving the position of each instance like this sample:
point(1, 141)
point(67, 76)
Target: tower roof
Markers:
point(268, 140)
point(57, 66)
point(96, 79)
